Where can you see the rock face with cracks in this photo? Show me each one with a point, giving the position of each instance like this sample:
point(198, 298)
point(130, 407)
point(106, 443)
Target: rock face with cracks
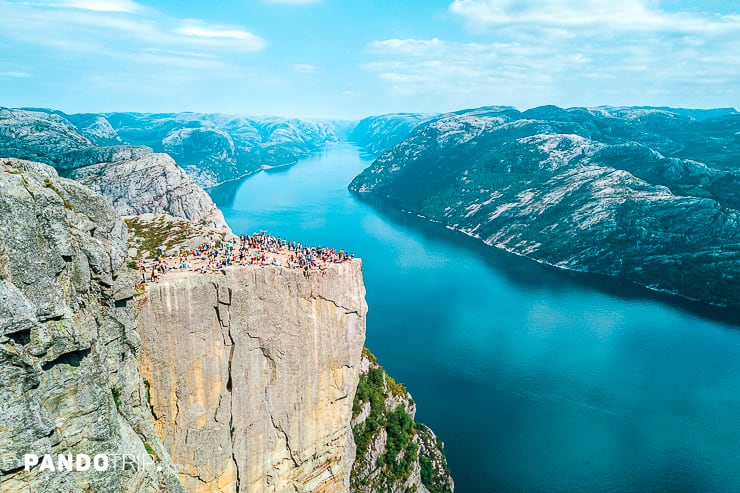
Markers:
point(69, 382)
point(252, 375)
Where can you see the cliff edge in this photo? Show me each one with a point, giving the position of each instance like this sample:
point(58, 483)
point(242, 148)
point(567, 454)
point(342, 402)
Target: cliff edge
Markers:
point(242, 379)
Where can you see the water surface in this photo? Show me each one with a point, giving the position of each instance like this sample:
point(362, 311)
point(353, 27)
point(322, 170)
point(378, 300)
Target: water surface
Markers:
point(536, 380)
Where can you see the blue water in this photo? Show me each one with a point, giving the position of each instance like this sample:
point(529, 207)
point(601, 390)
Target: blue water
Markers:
point(535, 379)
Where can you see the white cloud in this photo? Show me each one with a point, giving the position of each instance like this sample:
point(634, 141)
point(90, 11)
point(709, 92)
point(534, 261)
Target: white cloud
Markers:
point(117, 28)
point(411, 66)
point(587, 16)
point(14, 75)
point(574, 52)
point(305, 68)
point(567, 72)
point(225, 35)
point(293, 2)
point(99, 5)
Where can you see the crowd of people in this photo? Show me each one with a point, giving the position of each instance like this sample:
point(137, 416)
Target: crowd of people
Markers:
point(256, 249)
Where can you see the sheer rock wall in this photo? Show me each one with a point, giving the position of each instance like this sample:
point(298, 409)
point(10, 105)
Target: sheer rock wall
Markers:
point(252, 374)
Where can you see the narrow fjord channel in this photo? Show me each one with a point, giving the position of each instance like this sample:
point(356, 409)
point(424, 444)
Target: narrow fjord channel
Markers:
point(536, 380)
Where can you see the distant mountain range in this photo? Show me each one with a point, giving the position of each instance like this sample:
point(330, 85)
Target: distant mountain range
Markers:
point(376, 134)
point(212, 148)
point(646, 194)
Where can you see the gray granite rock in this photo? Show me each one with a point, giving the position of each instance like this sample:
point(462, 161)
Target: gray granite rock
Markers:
point(151, 184)
point(69, 383)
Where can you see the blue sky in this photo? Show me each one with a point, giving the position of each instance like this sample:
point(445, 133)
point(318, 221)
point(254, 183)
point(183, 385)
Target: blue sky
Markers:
point(353, 58)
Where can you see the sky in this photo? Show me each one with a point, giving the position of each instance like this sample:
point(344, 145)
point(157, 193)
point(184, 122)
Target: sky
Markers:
point(354, 58)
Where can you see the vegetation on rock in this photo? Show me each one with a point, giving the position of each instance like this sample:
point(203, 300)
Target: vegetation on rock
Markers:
point(394, 453)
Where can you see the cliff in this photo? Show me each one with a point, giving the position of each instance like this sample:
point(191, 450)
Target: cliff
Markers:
point(394, 452)
point(252, 375)
point(241, 380)
point(69, 380)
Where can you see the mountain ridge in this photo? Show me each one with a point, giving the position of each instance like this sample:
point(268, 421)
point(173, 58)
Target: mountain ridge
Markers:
point(212, 148)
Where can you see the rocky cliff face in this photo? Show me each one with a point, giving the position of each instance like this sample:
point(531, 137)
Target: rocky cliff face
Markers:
point(394, 453)
point(134, 179)
point(38, 136)
point(252, 375)
point(616, 191)
point(69, 381)
point(152, 183)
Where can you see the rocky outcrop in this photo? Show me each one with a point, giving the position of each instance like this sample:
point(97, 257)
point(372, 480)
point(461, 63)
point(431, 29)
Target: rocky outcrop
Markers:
point(69, 380)
point(614, 191)
point(394, 453)
point(252, 374)
point(154, 234)
point(93, 155)
point(152, 183)
point(51, 138)
point(135, 180)
point(38, 136)
point(96, 128)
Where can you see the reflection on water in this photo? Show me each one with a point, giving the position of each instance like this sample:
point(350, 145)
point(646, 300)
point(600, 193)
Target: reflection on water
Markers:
point(537, 380)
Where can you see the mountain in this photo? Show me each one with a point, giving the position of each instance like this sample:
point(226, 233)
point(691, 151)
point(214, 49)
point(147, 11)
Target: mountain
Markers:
point(215, 148)
point(376, 134)
point(648, 195)
point(53, 139)
point(212, 148)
